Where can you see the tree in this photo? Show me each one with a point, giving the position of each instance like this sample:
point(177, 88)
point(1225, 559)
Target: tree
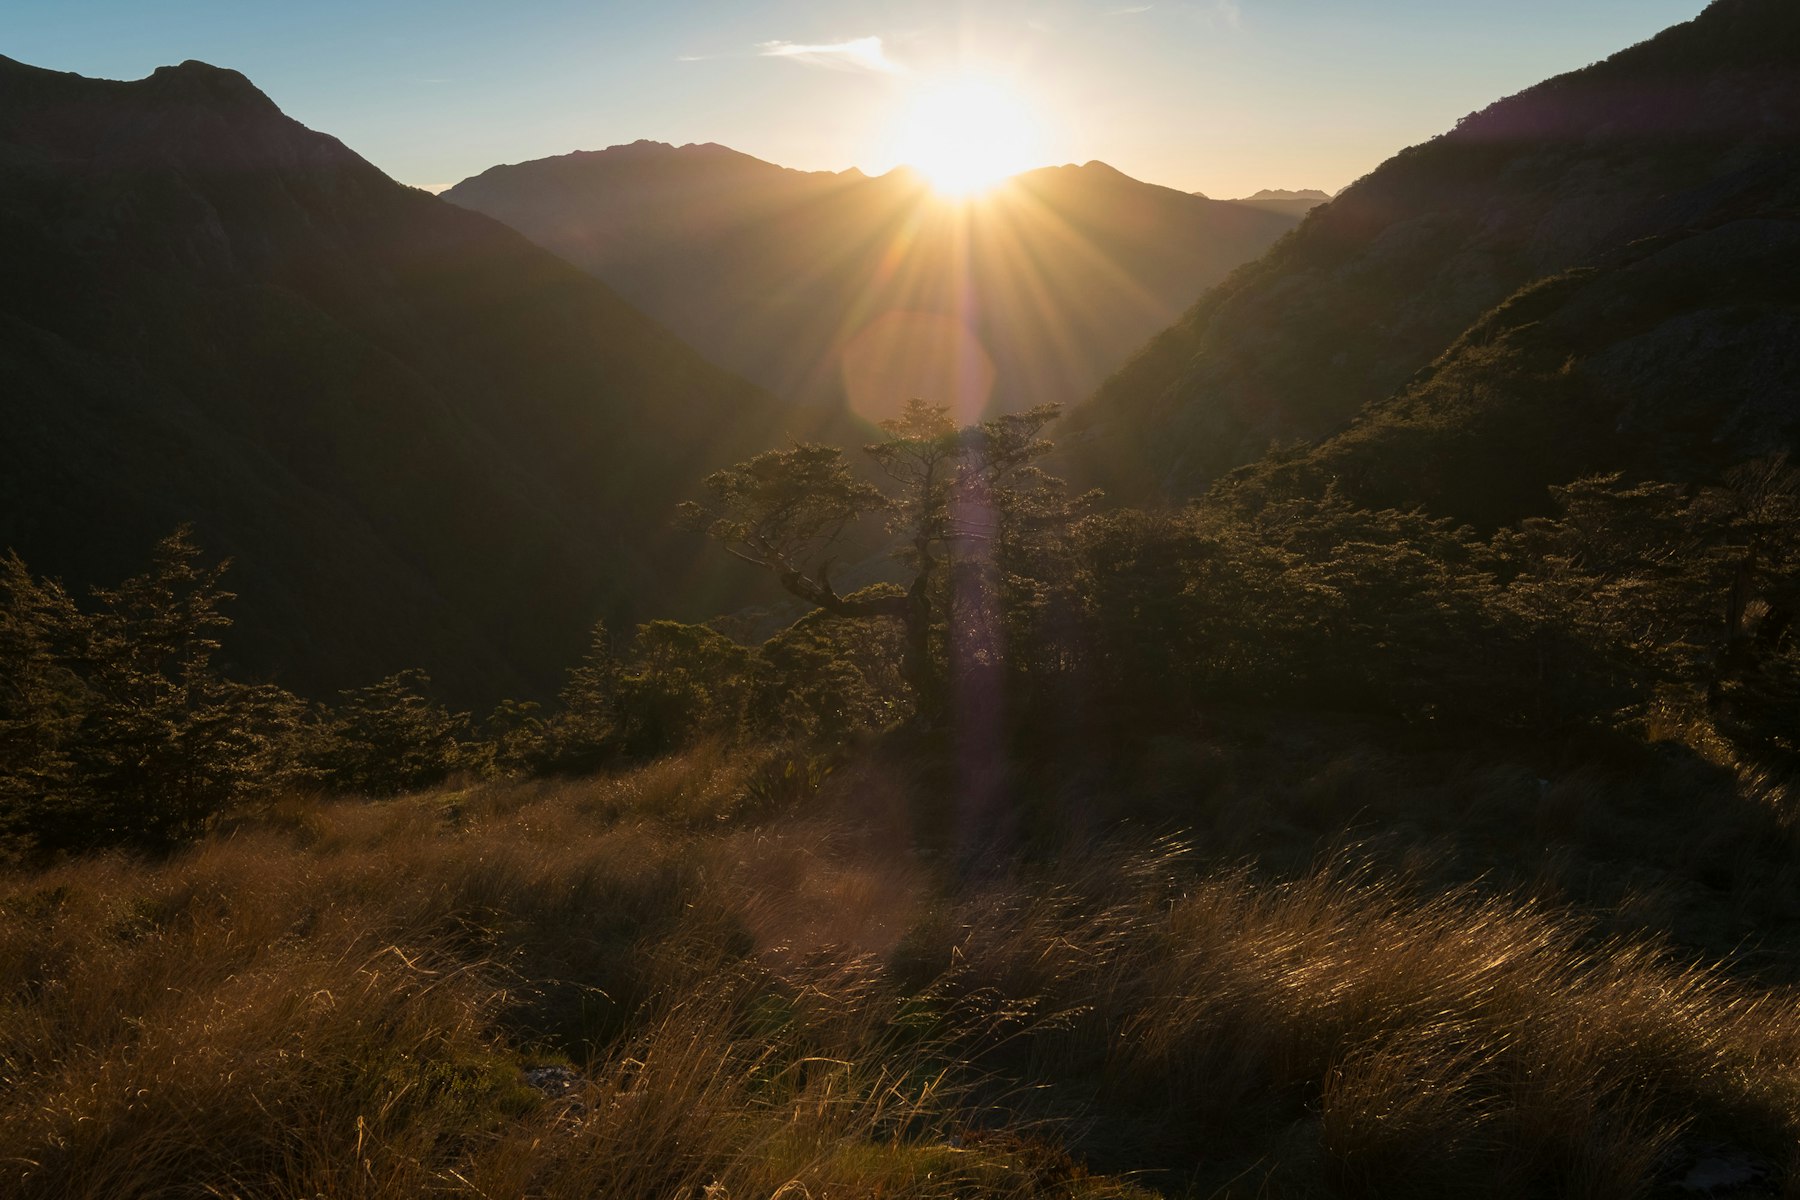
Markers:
point(584, 734)
point(40, 701)
point(392, 737)
point(824, 680)
point(958, 500)
point(679, 683)
point(116, 726)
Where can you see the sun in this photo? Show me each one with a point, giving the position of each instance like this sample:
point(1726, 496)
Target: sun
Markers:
point(966, 135)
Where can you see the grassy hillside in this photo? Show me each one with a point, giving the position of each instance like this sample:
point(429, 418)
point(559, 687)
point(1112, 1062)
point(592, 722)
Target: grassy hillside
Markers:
point(655, 983)
point(1290, 848)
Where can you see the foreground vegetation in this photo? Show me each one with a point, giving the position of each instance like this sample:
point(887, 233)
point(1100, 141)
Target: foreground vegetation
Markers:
point(1030, 620)
point(1273, 846)
point(667, 982)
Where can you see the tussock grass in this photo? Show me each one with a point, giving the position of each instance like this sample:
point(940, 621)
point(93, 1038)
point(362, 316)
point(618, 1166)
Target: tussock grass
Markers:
point(1432, 1044)
point(340, 998)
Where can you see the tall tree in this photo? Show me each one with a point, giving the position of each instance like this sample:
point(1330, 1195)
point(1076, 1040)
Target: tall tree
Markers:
point(167, 739)
point(41, 699)
point(116, 725)
point(957, 499)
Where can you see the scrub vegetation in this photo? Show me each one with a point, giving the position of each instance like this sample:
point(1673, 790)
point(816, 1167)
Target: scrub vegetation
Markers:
point(1267, 847)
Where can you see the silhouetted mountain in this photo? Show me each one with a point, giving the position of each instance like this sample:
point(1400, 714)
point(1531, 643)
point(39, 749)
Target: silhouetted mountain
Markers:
point(425, 440)
point(1295, 204)
point(826, 287)
point(1671, 169)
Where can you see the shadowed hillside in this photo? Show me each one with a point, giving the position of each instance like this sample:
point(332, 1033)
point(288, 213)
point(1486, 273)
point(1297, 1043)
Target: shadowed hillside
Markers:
point(1675, 358)
point(1692, 134)
point(428, 441)
point(826, 287)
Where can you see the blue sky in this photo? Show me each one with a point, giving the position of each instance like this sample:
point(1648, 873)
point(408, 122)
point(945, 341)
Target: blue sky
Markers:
point(1221, 96)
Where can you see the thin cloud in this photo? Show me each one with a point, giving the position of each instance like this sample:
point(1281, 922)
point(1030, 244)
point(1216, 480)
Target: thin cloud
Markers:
point(1229, 13)
point(857, 54)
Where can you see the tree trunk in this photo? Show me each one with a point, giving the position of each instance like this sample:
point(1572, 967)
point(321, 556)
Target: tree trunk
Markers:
point(920, 672)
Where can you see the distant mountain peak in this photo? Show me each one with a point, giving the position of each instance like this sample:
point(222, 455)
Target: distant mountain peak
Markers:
point(1285, 194)
point(651, 151)
point(205, 83)
point(650, 147)
point(190, 83)
point(834, 288)
point(198, 71)
point(1093, 168)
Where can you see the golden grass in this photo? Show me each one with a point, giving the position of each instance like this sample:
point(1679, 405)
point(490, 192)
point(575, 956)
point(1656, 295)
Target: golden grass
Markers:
point(337, 998)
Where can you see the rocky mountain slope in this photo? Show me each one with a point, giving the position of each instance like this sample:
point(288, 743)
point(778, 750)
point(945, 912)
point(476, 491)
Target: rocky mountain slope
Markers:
point(827, 288)
point(1640, 169)
point(425, 440)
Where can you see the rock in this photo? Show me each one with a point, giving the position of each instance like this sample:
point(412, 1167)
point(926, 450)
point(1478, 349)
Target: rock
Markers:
point(1720, 1171)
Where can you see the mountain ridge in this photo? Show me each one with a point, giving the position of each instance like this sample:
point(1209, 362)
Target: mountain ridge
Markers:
point(777, 273)
point(1292, 203)
point(427, 441)
point(1688, 128)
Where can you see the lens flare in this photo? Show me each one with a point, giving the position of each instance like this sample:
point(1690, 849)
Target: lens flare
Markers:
point(902, 354)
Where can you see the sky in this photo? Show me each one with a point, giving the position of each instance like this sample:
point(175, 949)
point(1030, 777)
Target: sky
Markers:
point(1220, 96)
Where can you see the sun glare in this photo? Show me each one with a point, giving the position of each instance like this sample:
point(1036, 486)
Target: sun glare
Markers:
point(966, 135)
